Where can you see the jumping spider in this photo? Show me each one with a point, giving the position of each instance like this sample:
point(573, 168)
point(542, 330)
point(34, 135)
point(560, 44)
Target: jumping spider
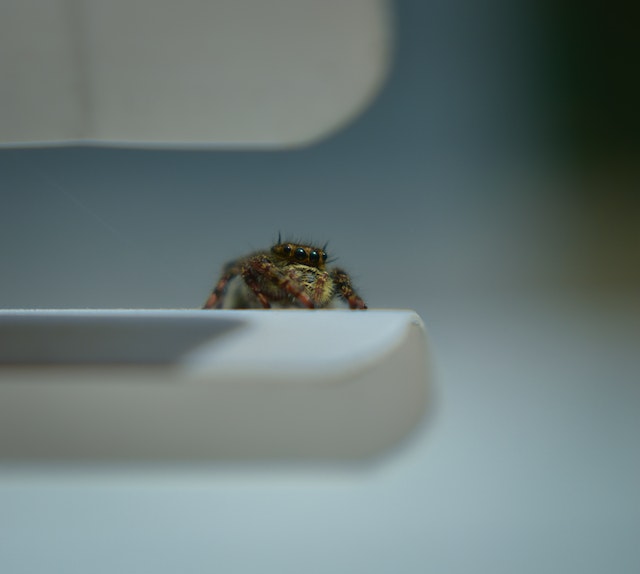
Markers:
point(288, 275)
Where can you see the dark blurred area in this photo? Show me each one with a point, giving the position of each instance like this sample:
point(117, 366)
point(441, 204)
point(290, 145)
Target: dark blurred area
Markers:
point(590, 55)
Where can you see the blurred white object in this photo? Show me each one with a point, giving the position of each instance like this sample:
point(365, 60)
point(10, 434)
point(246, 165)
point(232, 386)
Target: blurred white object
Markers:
point(205, 385)
point(188, 73)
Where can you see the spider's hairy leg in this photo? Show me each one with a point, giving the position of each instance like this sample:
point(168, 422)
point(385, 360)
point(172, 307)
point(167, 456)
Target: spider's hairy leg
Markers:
point(322, 290)
point(261, 266)
point(254, 285)
point(216, 298)
point(346, 290)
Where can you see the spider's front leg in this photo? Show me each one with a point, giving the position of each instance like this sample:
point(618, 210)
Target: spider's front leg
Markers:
point(216, 298)
point(261, 267)
point(253, 284)
point(346, 290)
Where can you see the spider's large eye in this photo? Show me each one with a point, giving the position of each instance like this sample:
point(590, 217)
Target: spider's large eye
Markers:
point(301, 255)
point(314, 257)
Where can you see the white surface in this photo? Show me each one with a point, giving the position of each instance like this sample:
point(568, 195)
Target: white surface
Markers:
point(205, 385)
point(189, 73)
point(529, 465)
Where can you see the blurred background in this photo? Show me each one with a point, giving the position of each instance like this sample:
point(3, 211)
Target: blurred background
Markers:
point(493, 187)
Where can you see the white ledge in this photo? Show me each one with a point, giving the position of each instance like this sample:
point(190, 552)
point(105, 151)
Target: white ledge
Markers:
point(153, 385)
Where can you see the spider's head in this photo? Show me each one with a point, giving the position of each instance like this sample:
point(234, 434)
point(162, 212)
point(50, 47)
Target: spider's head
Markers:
point(302, 254)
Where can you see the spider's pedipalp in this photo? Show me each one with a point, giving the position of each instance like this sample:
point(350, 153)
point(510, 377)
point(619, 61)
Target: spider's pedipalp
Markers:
point(281, 284)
